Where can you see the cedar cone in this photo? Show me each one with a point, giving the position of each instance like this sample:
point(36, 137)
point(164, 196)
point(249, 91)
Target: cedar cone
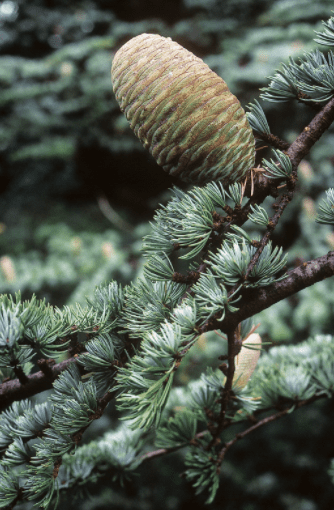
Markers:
point(181, 111)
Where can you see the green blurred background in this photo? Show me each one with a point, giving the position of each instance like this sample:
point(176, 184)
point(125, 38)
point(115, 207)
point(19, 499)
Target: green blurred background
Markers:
point(77, 192)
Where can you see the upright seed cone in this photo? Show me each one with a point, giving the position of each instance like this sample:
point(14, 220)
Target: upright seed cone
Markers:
point(181, 111)
point(246, 360)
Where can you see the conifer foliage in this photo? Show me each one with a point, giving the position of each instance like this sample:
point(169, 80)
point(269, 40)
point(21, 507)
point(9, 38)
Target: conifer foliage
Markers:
point(128, 343)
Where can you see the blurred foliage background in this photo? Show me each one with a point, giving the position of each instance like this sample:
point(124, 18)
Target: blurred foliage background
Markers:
point(77, 191)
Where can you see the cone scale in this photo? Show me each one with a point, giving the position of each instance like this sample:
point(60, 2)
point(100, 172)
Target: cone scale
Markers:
point(246, 360)
point(182, 111)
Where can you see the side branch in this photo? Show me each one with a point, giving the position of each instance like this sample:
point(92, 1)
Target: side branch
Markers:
point(274, 141)
point(265, 421)
point(234, 346)
point(256, 300)
point(14, 390)
point(303, 143)
point(253, 301)
point(311, 134)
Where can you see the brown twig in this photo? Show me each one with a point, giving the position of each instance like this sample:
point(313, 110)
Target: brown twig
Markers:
point(22, 377)
point(311, 134)
point(163, 451)
point(303, 143)
point(188, 279)
point(255, 300)
point(46, 367)
point(265, 421)
point(274, 141)
point(234, 345)
point(14, 390)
